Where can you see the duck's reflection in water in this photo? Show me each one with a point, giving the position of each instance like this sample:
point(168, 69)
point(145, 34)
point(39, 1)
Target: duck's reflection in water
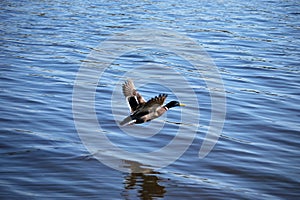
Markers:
point(142, 182)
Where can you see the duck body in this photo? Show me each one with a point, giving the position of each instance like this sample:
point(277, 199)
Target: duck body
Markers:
point(142, 111)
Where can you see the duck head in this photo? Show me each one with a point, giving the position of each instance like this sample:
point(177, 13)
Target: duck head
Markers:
point(172, 104)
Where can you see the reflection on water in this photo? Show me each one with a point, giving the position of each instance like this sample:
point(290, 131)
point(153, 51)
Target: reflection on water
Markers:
point(145, 185)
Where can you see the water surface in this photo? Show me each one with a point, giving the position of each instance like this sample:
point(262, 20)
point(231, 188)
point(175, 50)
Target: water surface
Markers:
point(255, 45)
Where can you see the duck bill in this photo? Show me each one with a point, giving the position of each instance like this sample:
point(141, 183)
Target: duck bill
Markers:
point(181, 104)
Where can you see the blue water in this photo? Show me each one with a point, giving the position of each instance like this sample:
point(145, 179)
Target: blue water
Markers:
point(254, 44)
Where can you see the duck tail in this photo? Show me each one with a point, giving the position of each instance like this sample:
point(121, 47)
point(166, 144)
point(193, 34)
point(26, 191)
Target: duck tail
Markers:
point(128, 120)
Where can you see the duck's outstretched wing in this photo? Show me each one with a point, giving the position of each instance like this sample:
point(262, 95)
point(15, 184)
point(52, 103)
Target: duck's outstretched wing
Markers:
point(154, 103)
point(133, 98)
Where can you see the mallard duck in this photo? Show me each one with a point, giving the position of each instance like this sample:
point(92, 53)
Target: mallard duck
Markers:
point(142, 111)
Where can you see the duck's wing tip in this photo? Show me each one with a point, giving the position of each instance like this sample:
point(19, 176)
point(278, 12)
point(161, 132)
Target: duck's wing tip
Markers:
point(128, 88)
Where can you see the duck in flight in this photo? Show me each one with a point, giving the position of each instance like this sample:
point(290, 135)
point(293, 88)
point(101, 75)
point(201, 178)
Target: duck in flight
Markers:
point(141, 110)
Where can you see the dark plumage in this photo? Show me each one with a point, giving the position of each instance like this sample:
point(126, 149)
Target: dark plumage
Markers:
point(142, 111)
